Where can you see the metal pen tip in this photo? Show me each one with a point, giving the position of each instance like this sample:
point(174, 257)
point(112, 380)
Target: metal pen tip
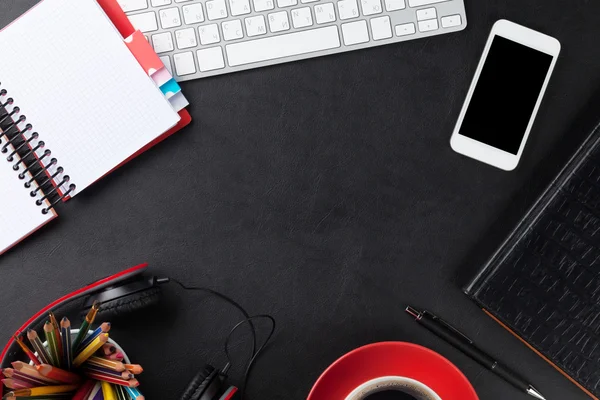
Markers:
point(413, 312)
point(534, 393)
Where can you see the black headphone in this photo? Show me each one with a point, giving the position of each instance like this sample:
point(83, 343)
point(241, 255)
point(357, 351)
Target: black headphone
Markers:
point(131, 291)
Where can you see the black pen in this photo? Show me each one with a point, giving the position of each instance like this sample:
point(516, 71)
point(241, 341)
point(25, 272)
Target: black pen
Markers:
point(457, 339)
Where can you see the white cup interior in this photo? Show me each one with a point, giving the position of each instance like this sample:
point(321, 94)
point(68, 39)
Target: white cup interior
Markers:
point(394, 383)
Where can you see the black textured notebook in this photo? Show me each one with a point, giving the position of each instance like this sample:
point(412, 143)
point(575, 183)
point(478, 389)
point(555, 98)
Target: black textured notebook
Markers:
point(543, 283)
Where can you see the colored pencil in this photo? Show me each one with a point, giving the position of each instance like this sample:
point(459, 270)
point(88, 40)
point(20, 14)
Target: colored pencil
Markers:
point(27, 370)
point(52, 343)
point(121, 393)
point(24, 378)
point(84, 390)
point(111, 379)
point(134, 393)
point(103, 362)
point(107, 391)
point(58, 374)
point(95, 390)
point(134, 368)
point(85, 325)
point(109, 349)
point(90, 349)
point(59, 350)
point(60, 396)
point(26, 350)
point(43, 390)
point(102, 370)
point(39, 347)
point(118, 356)
point(65, 328)
point(103, 328)
point(16, 384)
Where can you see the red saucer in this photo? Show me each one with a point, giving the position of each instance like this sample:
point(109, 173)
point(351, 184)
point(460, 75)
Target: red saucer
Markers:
point(392, 359)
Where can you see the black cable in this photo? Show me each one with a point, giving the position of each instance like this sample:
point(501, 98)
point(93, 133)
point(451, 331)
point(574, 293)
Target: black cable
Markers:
point(230, 301)
point(255, 354)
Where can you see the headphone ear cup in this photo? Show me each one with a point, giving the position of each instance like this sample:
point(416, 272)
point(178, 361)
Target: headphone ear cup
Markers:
point(129, 304)
point(200, 384)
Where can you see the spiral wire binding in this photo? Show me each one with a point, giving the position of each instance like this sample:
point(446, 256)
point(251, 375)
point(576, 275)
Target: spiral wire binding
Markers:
point(26, 149)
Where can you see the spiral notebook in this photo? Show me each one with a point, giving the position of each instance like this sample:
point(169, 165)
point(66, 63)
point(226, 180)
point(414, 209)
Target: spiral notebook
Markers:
point(74, 105)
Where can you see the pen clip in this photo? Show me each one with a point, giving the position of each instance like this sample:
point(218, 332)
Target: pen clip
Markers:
point(447, 325)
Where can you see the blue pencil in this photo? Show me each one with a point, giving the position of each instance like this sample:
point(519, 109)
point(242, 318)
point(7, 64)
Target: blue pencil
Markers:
point(65, 326)
point(133, 393)
point(104, 328)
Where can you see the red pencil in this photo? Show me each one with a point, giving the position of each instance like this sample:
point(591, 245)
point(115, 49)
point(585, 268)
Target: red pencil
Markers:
point(58, 374)
point(17, 384)
point(112, 379)
point(27, 350)
point(84, 390)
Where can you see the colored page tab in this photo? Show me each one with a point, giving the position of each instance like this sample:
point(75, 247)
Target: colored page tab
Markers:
point(170, 89)
point(144, 53)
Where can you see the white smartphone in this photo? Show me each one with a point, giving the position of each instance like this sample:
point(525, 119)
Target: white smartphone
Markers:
point(505, 95)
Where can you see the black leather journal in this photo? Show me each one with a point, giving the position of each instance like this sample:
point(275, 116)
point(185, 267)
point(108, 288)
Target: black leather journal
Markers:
point(543, 283)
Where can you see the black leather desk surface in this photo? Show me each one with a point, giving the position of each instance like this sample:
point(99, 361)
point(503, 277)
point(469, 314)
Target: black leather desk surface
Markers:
point(323, 192)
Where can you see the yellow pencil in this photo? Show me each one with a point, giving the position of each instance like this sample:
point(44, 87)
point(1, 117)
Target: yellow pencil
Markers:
point(43, 390)
point(90, 349)
point(108, 392)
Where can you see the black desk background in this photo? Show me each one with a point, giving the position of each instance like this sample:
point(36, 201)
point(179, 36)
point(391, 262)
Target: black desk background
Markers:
point(325, 193)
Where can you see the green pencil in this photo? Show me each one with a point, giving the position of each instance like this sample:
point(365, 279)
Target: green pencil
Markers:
point(85, 326)
point(52, 343)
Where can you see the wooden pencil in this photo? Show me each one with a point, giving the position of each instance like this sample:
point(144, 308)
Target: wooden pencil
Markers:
point(122, 375)
point(96, 392)
point(43, 390)
point(84, 390)
point(109, 349)
point(85, 325)
point(103, 328)
point(58, 374)
point(52, 343)
point(121, 395)
point(65, 328)
point(134, 368)
point(26, 350)
point(11, 383)
point(20, 368)
point(103, 362)
point(134, 393)
point(107, 391)
point(90, 349)
point(56, 328)
point(39, 347)
point(111, 379)
point(118, 356)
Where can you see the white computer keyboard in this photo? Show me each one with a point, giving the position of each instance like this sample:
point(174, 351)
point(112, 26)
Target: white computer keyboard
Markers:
point(201, 38)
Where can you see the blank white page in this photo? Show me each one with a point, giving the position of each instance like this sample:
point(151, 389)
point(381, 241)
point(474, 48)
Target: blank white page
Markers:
point(71, 74)
point(19, 215)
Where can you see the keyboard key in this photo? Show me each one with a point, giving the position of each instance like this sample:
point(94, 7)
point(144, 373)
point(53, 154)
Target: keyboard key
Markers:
point(232, 30)
point(184, 63)
point(427, 13)
point(355, 32)
point(167, 61)
point(419, 3)
point(428, 26)
point(286, 3)
point(302, 17)
point(381, 28)
point(159, 3)
point(347, 9)
point(370, 7)
point(324, 13)
point(170, 18)
point(405, 29)
point(209, 34)
point(308, 1)
point(181, 1)
point(275, 47)
point(394, 5)
point(256, 25)
point(145, 22)
point(162, 42)
point(193, 14)
point(239, 7)
point(210, 59)
point(186, 38)
point(133, 5)
point(263, 5)
point(216, 9)
point(279, 21)
point(451, 21)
